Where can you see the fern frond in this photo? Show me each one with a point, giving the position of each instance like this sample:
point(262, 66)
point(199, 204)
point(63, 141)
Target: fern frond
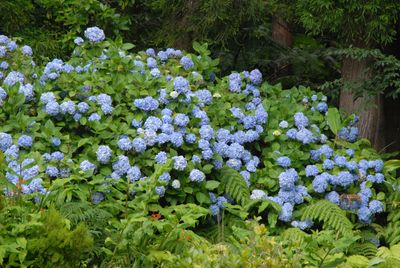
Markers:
point(366, 249)
point(293, 235)
point(234, 184)
point(357, 261)
point(330, 214)
point(392, 230)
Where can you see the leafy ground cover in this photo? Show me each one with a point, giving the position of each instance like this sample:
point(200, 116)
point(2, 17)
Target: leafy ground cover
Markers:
point(143, 159)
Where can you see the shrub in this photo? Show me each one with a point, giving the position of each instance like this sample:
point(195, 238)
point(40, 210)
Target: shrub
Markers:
point(140, 134)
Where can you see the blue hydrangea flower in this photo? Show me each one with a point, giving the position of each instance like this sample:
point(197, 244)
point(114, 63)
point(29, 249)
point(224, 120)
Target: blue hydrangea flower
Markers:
point(375, 206)
point(160, 190)
point(286, 212)
point(67, 107)
point(350, 152)
point(206, 132)
point(3, 93)
point(302, 224)
point(261, 115)
point(87, 165)
point(320, 183)
point(155, 72)
point(340, 161)
point(25, 141)
point(291, 133)
point(256, 77)
point(326, 150)
point(203, 144)
point(378, 165)
point(83, 107)
point(322, 107)
point(284, 161)
point(186, 63)
point(55, 141)
point(311, 170)
point(176, 139)
point(94, 117)
point(57, 156)
point(333, 197)
point(78, 41)
point(146, 104)
point(124, 144)
point(52, 171)
point(12, 46)
point(4, 65)
point(103, 154)
point(181, 120)
point(133, 174)
point(153, 123)
point(14, 77)
point(235, 82)
point(139, 144)
point(236, 164)
point(136, 124)
point(150, 52)
point(151, 63)
point(161, 158)
point(181, 85)
point(204, 96)
point(162, 55)
point(94, 34)
point(344, 178)
point(179, 162)
point(287, 179)
point(12, 153)
point(305, 136)
point(122, 165)
point(165, 177)
point(379, 178)
point(257, 194)
point(97, 197)
point(364, 215)
point(300, 120)
point(197, 175)
point(283, 124)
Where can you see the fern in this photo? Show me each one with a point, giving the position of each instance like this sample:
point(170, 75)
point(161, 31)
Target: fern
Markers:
point(330, 214)
point(235, 186)
point(392, 230)
point(366, 249)
point(293, 236)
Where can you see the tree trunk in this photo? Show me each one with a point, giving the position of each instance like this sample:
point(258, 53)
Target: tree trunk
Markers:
point(281, 33)
point(371, 118)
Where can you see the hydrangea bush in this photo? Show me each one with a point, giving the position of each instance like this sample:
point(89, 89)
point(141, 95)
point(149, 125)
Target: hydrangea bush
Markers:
point(108, 121)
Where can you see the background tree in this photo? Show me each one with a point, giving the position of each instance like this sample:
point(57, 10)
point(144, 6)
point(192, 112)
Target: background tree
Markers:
point(357, 24)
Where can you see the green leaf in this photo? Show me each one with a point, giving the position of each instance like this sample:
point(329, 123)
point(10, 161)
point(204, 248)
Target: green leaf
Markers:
point(188, 190)
point(334, 120)
point(127, 46)
point(202, 198)
point(210, 185)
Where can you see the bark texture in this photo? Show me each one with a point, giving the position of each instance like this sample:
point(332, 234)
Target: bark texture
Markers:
point(281, 33)
point(371, 118)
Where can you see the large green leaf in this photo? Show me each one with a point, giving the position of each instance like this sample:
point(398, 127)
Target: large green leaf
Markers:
point(334, 120)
